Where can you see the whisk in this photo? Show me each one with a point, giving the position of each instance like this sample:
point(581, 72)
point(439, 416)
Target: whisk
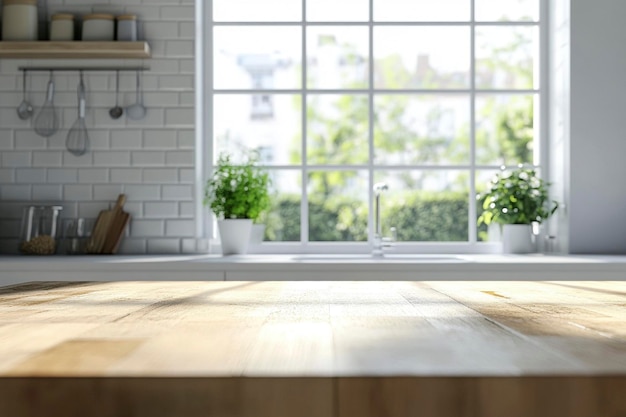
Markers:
point(77, 142)
point(47, 121)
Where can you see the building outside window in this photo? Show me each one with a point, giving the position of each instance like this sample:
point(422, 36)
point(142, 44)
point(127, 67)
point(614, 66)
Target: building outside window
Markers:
point(430, 97)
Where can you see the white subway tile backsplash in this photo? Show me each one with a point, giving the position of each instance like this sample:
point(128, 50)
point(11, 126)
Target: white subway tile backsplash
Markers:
point(76, 192)
point(159, 139)
point(186, 139)
point(93, 176)
point(187, 176)
point(176, 82)
point(187, 210)
point(30, 175)
point(91, 210)
point(142, 192)
point(126, 139)
point(62, 175)
point(16, 159)
point(178, 13)
point(111, 159)
point(48, 192)
point(28, 139)
point(48, 159)
point(70, 160)
point(126, 175)
point(160, 175)
point(6, 139)
point(180, 228)
point(151, 160)
point(135, 209)
point(146, 228)
point(106, 192)
point(179, 49)
point(160, 30)
point(163, 246)
point(177, 192)
point(180, 116)
point(132, 246)
point(160, 210)
point(6, 175)
point(148, 158)
point(15, 192)
point(180, 158)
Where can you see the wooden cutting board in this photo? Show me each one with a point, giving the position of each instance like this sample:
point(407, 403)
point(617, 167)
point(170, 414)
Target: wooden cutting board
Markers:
point(109, 225)
point(118, 224)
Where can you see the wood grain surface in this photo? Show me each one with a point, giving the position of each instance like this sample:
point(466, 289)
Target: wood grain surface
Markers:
point(362, 349)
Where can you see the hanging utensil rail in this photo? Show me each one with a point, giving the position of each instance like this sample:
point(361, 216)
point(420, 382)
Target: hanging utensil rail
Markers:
point(142, 68)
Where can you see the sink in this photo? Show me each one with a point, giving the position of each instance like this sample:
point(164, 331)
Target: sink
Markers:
point(362, 258)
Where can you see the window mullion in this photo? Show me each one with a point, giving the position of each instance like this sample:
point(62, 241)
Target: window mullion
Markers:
point(472, 210)
point(304, 207)
point(371, 116)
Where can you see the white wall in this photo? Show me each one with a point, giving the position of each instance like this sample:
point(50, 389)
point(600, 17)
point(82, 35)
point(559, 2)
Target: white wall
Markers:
point(151, 160)
point(597, 130)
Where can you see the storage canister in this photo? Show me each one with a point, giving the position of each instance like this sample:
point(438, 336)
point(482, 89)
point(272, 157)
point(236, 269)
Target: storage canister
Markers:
point(19, 20)
point(98, 27)
point(62, 27)
point(127, 27)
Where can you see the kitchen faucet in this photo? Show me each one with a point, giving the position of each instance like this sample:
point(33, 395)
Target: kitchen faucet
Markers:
point(380, 242)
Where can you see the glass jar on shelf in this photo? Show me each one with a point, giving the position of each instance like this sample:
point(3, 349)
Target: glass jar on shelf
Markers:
point(40, 230)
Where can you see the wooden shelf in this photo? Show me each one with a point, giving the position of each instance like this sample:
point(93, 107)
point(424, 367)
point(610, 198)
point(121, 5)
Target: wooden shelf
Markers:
point(74, 50)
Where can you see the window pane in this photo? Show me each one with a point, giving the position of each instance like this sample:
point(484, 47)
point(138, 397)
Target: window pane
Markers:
point(283, 220)
point(505, 129)
point(421, 10)
point(270, 123)
point(506, 57)
point(421, 57)
point(507, 10)
point(425, 205)
point(337, 57)
point(338, 206)
point(272, 61)
point(257, 11)
point(337, 129)
point(337, 10)
point(426, 129)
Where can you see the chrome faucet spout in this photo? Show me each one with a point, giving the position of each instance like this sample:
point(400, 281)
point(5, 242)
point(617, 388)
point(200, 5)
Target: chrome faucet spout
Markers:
point(379, 242)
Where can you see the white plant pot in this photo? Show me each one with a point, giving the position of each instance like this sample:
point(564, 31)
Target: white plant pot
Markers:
point(234, 235)
point(257, 234)
point(517, 238)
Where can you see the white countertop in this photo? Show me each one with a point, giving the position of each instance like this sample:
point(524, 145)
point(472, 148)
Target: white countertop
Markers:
point(533, 267)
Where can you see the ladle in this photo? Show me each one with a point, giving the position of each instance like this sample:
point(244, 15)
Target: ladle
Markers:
point(25, 109)
point(116, 112)
point(137, 111)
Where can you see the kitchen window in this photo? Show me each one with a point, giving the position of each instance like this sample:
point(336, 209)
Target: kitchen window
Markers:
point(429, 97)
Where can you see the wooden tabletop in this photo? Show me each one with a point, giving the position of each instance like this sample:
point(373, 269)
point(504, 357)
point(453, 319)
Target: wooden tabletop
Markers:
point(313, 348)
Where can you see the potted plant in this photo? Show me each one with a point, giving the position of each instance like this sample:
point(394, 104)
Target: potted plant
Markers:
point(515, 200)
point(237, 194)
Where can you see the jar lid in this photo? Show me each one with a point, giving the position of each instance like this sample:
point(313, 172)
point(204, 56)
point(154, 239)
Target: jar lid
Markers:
point(22, 2)
point(98, 16)
point(62, 16)
point(127, 17)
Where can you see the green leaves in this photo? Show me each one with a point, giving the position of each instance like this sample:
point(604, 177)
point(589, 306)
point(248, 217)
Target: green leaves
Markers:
point(238, 191)
point(517, 197)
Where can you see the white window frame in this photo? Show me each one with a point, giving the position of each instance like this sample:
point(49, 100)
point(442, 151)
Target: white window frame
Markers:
point(204, 131)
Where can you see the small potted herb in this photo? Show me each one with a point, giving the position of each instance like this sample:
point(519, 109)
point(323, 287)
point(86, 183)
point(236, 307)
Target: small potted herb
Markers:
point(237, 194)
point(515, 200)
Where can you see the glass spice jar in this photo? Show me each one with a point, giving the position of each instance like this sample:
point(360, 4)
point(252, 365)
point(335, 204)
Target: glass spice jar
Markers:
point(40, 230)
